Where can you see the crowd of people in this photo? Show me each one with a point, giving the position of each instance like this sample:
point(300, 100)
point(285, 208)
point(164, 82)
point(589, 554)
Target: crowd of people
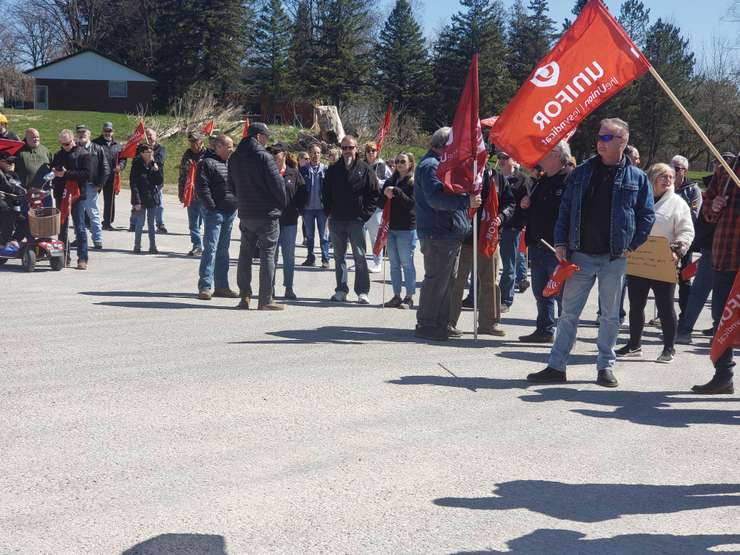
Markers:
point(593, 214)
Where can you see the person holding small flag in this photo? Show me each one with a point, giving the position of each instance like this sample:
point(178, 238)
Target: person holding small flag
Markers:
point(442, 223)
point(72, 169)
point(399, 192)
point(111, 148)
point(382, 173)
point(606, 189)
point(100, 171)
point(146, 182)
point(540, 210)
point(159, 155)
point(722, 206)
point(187, 182)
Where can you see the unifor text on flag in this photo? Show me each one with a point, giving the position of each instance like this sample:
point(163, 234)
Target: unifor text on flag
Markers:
point(592, 61)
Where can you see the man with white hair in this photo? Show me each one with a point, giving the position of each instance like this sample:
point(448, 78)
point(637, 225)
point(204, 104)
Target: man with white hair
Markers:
point(606, 212)
point(540, 212)
point(441, 223)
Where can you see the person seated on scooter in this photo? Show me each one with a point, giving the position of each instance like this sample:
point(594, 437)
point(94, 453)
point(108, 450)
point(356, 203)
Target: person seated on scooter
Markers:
point(11, 198)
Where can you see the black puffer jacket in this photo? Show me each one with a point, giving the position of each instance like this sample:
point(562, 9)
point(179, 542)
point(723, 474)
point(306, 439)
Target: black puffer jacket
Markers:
point(77, 163)
point(295, 189)
point(350, 193)
point(253, 174)
point(145, 182)
point(212, 184)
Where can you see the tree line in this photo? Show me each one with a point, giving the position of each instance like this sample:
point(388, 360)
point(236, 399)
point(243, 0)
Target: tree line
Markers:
point(347, 52)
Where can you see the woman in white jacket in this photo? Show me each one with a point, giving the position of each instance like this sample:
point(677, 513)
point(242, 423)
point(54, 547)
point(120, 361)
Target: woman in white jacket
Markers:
point(672, 221)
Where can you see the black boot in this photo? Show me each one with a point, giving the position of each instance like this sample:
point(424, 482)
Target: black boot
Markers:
point(719, 384)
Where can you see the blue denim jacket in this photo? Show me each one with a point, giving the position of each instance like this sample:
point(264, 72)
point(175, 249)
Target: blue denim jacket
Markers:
point(439, 215)
point(632, 208)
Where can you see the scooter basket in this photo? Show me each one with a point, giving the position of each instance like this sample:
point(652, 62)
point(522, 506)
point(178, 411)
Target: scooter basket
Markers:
point(44, 222)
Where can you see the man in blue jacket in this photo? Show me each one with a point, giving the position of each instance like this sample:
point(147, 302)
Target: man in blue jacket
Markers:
point(441, 223)
point(606, 212)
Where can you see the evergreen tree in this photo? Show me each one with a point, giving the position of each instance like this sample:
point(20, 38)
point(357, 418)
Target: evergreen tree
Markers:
point(634, 17)
point(224, 42)
point(530, 38)
point(576, 11)
point(269, 49)
point(476, 28)
point(302, 52)
point(404, 71)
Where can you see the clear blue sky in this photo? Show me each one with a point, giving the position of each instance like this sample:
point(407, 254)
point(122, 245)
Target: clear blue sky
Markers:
point(698, 20)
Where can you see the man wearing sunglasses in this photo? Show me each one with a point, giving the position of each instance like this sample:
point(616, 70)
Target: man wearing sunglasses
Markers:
point(606, 212)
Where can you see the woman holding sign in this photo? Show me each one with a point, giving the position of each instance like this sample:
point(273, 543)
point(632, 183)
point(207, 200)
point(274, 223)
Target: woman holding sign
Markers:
point(672, 221)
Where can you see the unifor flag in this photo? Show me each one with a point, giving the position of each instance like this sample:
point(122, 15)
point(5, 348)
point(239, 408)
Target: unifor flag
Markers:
point(591, 62)
point(10, 146)
point(208, 128)
point(385, 128)
point(129, 149)
point(563, 271)
point(382, 239)
point(187, 194)
point(728, 330)
point(465, 145)
point(489, 232)
point(690, 271)
point(69, 197)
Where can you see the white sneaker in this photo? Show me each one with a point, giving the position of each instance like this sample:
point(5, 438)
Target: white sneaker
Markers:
point(339, 297)
point(362, 299)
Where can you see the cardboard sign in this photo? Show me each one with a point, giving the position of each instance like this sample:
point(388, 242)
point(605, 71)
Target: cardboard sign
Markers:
point(653, 260)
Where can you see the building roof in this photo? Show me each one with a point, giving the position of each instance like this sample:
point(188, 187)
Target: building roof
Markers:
point(87, 65)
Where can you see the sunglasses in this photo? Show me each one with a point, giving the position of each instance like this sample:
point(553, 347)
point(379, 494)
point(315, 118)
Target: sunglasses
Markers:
point(66, 145)
point(371, 150)
point(401, 162)
point(608, 138)
point(680, 169)
point(348, 147)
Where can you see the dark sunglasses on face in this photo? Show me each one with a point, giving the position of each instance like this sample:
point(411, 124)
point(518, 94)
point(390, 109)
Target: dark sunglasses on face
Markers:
point(680, 169)
point(372, 150)
point(66, 145)
point(400, 161)
point(348, 147)
point(607, 138)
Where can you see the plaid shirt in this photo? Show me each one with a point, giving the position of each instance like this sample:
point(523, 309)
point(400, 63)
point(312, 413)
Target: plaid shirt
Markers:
point(726, 245)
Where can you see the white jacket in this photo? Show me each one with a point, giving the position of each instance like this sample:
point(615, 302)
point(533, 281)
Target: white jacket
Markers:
point(673, 220)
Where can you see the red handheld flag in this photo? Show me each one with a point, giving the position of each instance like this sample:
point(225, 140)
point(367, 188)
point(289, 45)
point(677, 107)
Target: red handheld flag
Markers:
point(591, 62)
point(489, 232)
point(489, 122)
point(69, 197)
point(522, 242)
point(187, 194)
point(208, 128)
point(117, 179)
point(563, 271)
point(10, 146)
point(382, 239)
point(728, 330)
point(690, 271)
point(129, 149)
point(246, 128)
point(465, 145)
point(385, 128)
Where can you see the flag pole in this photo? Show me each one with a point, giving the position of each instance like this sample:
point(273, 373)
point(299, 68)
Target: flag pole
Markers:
point(383, 257)
point(475, 260)
point(693, 124)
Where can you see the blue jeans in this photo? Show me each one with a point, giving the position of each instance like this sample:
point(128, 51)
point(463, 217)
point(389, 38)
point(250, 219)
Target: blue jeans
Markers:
point(214, 262)
point(159, 210)
point(401, 247)
point(543, 263)
point(286, 244)
point(509, 248)
point(78, 220)
point(316, 219)
point(92, 211)
point(610, 275)
point(698, 294)
point(140, 216)
point(352, 231)
point(722, 285)
point(196, 215)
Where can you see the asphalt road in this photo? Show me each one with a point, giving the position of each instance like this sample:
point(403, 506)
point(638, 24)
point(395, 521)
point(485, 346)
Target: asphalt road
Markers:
point(135, 418)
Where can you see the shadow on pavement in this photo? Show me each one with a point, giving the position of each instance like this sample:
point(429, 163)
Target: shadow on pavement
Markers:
point(542, 357)
point(164, 305)
point(569, 542)
point(141, 294)
point(180, 544)
point(650, 408)
point(473, 384)
point(598, 502)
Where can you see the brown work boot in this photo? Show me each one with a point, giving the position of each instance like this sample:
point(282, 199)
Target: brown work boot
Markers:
point(272, 305)
point(82, 265)
point(243, 304)
point(225, 293)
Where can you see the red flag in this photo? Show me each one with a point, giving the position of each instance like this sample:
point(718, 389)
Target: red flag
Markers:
point(208, 128)
point(10, 146)
point(728, 330)
point(690, 271)
point(129, 149)
point(69, 197)
point(522, 242)
point(187, 194)
point(385, 128)
point(562, 272)
point(489, 232)
point(246, 128)
point(488, 122)
point(117, 179)
point(591, 62)
point(382, 239)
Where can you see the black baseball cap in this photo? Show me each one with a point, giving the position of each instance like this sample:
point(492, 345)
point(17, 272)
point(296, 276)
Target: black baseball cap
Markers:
point(278, 147)
point(107, 126)
point(256, 128)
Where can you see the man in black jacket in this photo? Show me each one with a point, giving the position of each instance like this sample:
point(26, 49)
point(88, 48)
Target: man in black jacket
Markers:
point(540, 212)
point(219, 210)
point(99, 172)
point(349, 196)
point(72, 164)
point(191, 156)
point(111, 148)
point(261, 199)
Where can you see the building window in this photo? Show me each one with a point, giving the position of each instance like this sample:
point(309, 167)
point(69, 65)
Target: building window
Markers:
point(117, 89)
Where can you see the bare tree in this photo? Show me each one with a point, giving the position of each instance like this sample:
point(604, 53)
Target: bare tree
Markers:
point(77, 24)
point(36, 36)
